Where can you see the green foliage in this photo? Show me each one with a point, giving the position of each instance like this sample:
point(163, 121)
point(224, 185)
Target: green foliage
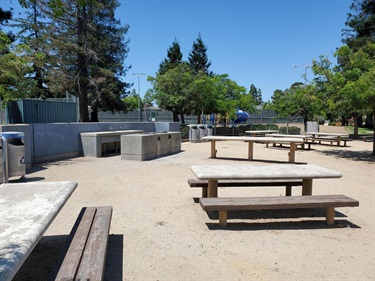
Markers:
point(15, 70)
point(198, 58)
point(256, 94)
point(174, 57)
point(293, 130)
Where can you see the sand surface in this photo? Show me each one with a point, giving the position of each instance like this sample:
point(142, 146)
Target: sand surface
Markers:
point(160, 232)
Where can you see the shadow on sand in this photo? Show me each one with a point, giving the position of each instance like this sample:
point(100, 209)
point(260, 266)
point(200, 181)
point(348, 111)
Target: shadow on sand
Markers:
point(42, 259)
point(364, 156)
point(285, 220)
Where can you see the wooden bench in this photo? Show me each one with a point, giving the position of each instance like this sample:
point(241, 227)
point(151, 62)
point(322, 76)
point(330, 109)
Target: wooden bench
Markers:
point(246, 183)
point(367, 138)
point(223, 205)
point(324, 139)
point(84, 255)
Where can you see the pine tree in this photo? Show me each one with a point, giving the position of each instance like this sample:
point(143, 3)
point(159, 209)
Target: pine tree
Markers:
point(198, 59)
point(174, 57)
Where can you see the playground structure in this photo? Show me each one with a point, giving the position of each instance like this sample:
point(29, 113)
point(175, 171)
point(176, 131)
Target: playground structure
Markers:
point(242, 117)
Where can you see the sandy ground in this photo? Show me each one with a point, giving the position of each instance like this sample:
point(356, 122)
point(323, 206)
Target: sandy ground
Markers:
point(159, 231)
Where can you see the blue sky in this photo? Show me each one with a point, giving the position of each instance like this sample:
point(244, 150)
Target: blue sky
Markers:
point(253, 41)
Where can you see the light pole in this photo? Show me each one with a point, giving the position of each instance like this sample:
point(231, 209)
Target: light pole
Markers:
point(306, 67)
point(139, 95)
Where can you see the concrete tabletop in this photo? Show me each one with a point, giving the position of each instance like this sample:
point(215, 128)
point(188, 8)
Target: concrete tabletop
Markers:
point(327, 134)
point(27, 209)
point(278, 171)
point(261, 131)
point(287, 136)
point(255, 139)
point(110, 133)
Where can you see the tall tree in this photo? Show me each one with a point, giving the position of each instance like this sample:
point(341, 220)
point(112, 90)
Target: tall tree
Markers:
point(87, 54)
point(198, 58)
point(360, 24)
point(174, 57)
point(256, 94)
point(15, 64)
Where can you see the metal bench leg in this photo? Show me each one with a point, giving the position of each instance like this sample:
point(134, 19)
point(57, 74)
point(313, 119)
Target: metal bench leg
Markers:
point(330, 215)
point(223, 215)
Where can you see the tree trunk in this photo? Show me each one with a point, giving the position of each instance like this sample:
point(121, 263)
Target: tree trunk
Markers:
point(355, 126)
point(182, 118)
point(82, 72)
point(175, 116)
point(369, 123)
point(373, 140)
point(94, 114)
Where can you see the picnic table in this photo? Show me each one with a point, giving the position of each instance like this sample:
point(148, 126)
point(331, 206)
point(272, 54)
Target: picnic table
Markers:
point(305, 137)
point(335, 137)
point(250, 140)
point(27, 210)
point(260, 132)
point(306, 172)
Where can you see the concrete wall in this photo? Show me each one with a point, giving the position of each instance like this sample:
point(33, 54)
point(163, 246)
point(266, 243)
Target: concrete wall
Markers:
point(54, 141)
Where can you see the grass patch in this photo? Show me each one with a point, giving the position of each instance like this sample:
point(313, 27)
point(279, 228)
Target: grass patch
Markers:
point(361, 131)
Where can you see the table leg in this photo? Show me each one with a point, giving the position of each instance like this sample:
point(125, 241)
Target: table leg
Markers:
point(338, 140)
point(212, 188)
point(307, 186)
point(330, 215)
point(250, 153)
point(288, 190)
point(223, 215)
point(213, 148)
point(292, 152)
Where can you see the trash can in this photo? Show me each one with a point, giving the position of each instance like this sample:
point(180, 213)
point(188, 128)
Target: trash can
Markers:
point(13, 154)
point(202, 131)
point(1, 160)
point(193, 132)
point(209, 130)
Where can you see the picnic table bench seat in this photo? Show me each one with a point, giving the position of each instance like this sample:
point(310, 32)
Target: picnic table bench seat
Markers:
point(84, 255)
point(223, 205)
point(195, 183)
point(325, 139)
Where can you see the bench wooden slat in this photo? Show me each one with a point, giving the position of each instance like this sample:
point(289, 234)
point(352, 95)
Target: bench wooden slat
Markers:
point(244, 183)
point(73, 256)
point(273, 203)
point(276, 202)
point(93, 260)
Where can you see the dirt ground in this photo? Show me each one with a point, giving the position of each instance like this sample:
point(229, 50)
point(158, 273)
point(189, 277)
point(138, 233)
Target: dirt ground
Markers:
point(160, 232)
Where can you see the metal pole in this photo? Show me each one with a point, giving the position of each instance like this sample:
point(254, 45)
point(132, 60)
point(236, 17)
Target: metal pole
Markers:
point(139, 102)
point(139, 95)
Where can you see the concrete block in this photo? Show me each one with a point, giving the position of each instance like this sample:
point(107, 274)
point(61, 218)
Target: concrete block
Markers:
point(143, 147)
point(93, 144)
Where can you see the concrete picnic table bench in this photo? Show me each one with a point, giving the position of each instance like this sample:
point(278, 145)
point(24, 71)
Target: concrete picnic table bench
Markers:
point(27, 210)
point(305, 138)
point(307, 172)
point(328, 137)
point(260, 132)
point(250, 140)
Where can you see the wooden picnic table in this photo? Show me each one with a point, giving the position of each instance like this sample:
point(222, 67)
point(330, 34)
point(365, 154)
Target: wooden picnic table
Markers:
point(27, 210)
point(250, 140)
point(337, 137)
point(306, 172)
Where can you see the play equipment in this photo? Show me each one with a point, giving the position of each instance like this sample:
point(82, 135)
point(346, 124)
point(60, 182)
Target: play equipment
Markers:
point(242, 117)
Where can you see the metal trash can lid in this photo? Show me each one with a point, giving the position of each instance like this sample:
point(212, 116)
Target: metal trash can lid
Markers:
point(12, 135)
